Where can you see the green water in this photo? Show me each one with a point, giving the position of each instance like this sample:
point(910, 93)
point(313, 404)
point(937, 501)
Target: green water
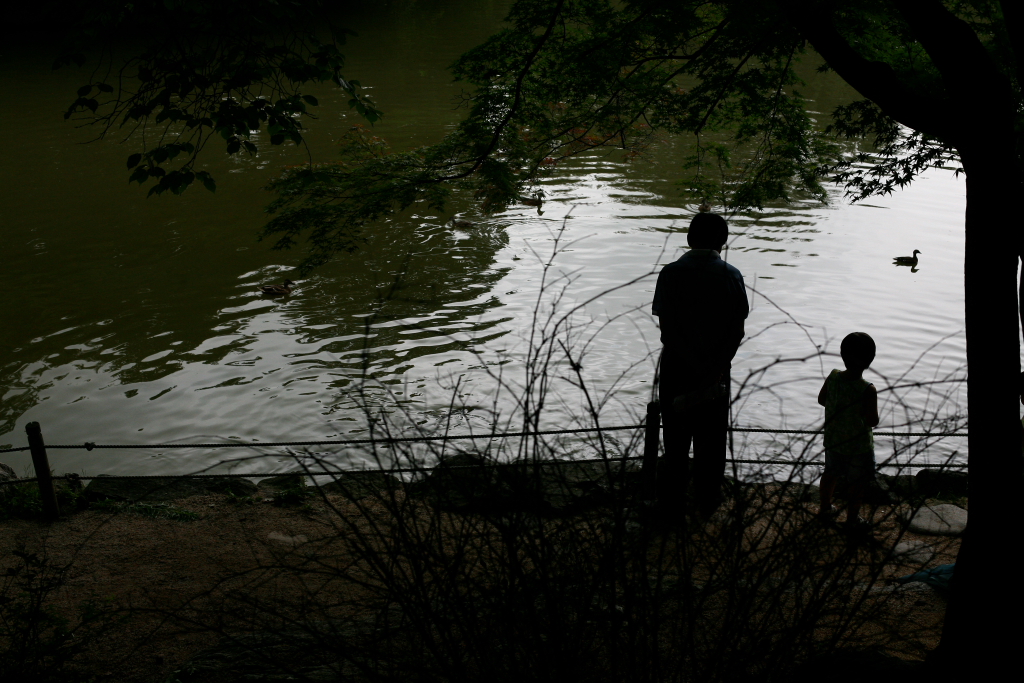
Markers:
point(129, 319)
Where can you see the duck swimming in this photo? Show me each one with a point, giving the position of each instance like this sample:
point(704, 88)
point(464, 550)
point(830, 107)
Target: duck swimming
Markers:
point(907, 260)
point(537, 200)
point(278, 290)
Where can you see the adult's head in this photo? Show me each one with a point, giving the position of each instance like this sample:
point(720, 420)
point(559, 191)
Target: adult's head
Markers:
point(857, 350)
point(707, 231)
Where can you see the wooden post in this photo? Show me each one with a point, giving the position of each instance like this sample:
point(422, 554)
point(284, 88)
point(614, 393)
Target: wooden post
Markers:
point(652, 436)
point(42, 465)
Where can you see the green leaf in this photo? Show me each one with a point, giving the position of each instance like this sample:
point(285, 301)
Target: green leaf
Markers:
point(84, 90)
point(134, 160)
point(207, 180)
point(309, 99)
point(277, 139)
point(234, 146)
point(182, 181)
point(249, 147)
point(103, 87)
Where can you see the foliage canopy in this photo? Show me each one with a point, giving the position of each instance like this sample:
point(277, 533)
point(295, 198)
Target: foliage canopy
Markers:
point(563, 78)
point(205, 71)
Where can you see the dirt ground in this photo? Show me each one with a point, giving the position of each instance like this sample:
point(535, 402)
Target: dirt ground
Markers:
point(160, 567)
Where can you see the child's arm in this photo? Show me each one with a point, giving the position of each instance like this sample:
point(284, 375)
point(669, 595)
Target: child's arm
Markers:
point(823, 394)
point(870, 406)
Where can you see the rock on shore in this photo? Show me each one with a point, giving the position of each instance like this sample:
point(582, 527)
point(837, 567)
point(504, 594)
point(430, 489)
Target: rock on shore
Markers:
point(936, 520)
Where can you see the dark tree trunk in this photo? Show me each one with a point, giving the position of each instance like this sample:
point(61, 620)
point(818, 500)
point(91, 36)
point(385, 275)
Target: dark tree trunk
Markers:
point(981, 632)
point(975, 111)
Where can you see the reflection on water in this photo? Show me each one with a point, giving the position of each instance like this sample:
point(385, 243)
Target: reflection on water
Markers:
point(139, 320)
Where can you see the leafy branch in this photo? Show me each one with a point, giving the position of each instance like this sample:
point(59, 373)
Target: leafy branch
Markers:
point(633, 75)
point(899, 155)
point(207, 73)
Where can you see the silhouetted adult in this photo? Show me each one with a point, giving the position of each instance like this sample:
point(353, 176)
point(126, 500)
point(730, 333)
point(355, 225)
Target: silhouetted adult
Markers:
point(701, 303)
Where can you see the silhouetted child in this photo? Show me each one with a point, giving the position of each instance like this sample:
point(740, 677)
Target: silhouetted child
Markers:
point(851, 410)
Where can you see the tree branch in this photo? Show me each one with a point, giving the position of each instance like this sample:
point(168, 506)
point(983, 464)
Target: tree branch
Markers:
point(514, 107)
point(955, 50)
point(876, 81)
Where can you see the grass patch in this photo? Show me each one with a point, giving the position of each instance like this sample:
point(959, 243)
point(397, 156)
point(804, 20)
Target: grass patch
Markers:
point(22, 501)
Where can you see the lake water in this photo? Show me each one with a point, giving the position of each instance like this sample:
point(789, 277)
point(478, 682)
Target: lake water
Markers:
point(129, 320)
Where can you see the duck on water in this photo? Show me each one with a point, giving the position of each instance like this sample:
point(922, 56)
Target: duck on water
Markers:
point(277, 290)
point(907, 260)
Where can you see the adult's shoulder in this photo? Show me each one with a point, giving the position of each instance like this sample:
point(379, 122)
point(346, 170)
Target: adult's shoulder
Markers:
point(680, 262)
point(732, 270)
point(672, 268)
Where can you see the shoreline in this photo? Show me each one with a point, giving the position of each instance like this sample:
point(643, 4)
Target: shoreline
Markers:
point(178, 572)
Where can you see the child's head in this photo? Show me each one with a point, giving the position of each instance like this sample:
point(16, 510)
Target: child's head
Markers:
point(857, 350)
point(707, 231)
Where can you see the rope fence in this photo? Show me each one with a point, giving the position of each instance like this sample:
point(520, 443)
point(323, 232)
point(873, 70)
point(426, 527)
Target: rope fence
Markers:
point(419, 470)
point(652, 428)
point(89, 446)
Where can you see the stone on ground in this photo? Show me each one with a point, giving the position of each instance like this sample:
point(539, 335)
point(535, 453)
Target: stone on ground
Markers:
point(891, 489)
point(286, 539)
point(291, 480)
point(913, 552)
point(936, 482)
point(7, 473)
point(936, 520)
point(356, 485)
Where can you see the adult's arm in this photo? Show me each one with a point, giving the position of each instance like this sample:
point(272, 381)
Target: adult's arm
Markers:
point(659, 295)
point(740, 308)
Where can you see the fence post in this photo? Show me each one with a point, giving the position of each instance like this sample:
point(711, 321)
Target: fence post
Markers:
point(652, 434)
point(42, 465)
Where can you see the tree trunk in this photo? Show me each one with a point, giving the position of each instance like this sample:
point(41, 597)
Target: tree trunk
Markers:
point(975, 111)
point(980, 634)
